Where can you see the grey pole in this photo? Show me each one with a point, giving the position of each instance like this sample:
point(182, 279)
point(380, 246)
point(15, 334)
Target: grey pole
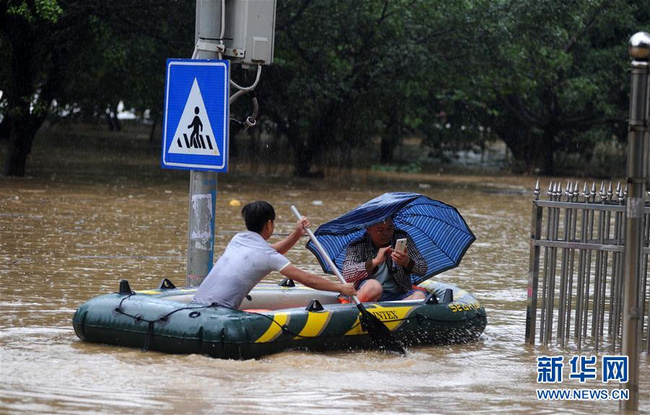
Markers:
point(203, 184)
point(639, 50)
point(533, 269)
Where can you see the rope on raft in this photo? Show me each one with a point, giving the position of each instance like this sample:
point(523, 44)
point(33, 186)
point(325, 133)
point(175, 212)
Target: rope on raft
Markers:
point(162, 319)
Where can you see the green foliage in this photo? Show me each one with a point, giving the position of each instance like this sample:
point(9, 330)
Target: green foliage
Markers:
point(349, 71)
point(97, 53)
point(43, 10)
point(548, 77)
point(557, 73)
point(129, 43)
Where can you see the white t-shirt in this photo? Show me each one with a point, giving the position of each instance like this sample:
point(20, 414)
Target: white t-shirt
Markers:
point(248, 258)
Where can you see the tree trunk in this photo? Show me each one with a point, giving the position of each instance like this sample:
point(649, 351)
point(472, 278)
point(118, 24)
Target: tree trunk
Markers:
point(386, 149)
point(235, 129)
point(254, 137)
point(533, 151)
point(112, 120)
point(390, 139)
point(532, 146)
point(547, 151)
point(153, 130)
point(29, 105)
point(303, 158)
point(116, 121)
point(20, 145)
point(4, 128)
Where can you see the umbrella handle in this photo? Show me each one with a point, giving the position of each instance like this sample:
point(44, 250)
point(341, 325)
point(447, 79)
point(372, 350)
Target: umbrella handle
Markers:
point(323, 253)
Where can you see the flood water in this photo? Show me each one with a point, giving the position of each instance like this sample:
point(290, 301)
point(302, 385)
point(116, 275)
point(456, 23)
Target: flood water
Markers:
point(67, 236)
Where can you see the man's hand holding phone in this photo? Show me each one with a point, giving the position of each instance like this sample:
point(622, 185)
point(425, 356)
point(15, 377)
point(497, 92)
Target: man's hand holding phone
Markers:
point(399, 255)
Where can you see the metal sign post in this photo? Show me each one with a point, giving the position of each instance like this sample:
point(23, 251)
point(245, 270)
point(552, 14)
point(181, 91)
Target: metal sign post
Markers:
point(203, 184)
point(196, 133)
point(195, 136)
point(636, 180)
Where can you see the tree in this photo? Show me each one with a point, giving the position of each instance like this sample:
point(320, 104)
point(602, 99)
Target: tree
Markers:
point(127, 63)
point(85, 54)
point(545, 76)
point(28, 85)
point(556, 72)
point(342, 67)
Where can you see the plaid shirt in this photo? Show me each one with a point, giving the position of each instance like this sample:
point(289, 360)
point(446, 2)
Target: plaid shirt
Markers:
point(360, 253)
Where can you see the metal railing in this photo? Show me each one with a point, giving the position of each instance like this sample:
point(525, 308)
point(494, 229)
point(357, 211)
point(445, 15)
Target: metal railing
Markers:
point(576, 268)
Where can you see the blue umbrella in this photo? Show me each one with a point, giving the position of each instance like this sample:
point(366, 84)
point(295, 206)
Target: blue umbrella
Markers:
point(437, 229)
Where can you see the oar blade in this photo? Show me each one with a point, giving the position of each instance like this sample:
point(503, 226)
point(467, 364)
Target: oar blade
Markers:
point(379, 333)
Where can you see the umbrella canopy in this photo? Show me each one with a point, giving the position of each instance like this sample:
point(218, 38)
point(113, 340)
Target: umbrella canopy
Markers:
point(437, 229)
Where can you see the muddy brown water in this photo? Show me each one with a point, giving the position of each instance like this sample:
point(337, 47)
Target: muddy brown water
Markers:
point(67, 236)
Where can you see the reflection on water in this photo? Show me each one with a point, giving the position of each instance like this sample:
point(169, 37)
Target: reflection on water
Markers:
point(65, 240)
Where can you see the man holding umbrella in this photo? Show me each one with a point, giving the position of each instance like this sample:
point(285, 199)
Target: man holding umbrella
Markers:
point(380, 272)
point(362, 243)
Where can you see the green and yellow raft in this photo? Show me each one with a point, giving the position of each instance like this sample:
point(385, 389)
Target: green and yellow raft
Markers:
point(272, 319)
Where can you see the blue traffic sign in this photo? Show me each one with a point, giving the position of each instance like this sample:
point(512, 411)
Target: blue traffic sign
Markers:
point(195, 119)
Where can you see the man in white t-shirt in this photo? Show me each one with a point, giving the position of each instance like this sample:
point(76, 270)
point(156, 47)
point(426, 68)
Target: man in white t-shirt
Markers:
point(248, 258)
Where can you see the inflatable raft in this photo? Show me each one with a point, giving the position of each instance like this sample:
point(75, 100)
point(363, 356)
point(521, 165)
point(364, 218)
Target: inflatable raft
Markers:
point(272, 319)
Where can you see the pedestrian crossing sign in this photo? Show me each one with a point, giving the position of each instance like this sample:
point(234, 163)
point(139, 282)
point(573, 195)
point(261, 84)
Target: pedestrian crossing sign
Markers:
point(196, 113)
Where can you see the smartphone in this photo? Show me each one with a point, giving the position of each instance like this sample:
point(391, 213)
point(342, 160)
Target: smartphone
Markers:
point(400, 245)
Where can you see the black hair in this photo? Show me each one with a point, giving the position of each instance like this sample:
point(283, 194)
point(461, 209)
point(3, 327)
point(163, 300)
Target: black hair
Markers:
point(256, 214)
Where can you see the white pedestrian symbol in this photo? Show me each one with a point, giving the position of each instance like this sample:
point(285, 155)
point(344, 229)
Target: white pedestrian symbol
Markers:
point(194, 133)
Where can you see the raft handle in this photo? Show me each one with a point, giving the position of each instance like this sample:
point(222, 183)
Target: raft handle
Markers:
point(448, 297)
point(125, 288)
point(314, 305)
point(431, 299)
point(287, 282)
point(166, 284)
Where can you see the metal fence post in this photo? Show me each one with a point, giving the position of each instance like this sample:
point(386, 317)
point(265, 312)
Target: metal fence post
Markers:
point(533, 267)
point(640, 52)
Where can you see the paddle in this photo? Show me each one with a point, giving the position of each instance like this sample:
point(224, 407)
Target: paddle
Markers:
point(380, 334)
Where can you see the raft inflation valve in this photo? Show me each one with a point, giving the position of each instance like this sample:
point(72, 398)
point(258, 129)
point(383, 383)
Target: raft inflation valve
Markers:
point(314, 305)
point(449, 296)
point(287, 282)
point(125, 288)
point(165, 284)
point(431, 299)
